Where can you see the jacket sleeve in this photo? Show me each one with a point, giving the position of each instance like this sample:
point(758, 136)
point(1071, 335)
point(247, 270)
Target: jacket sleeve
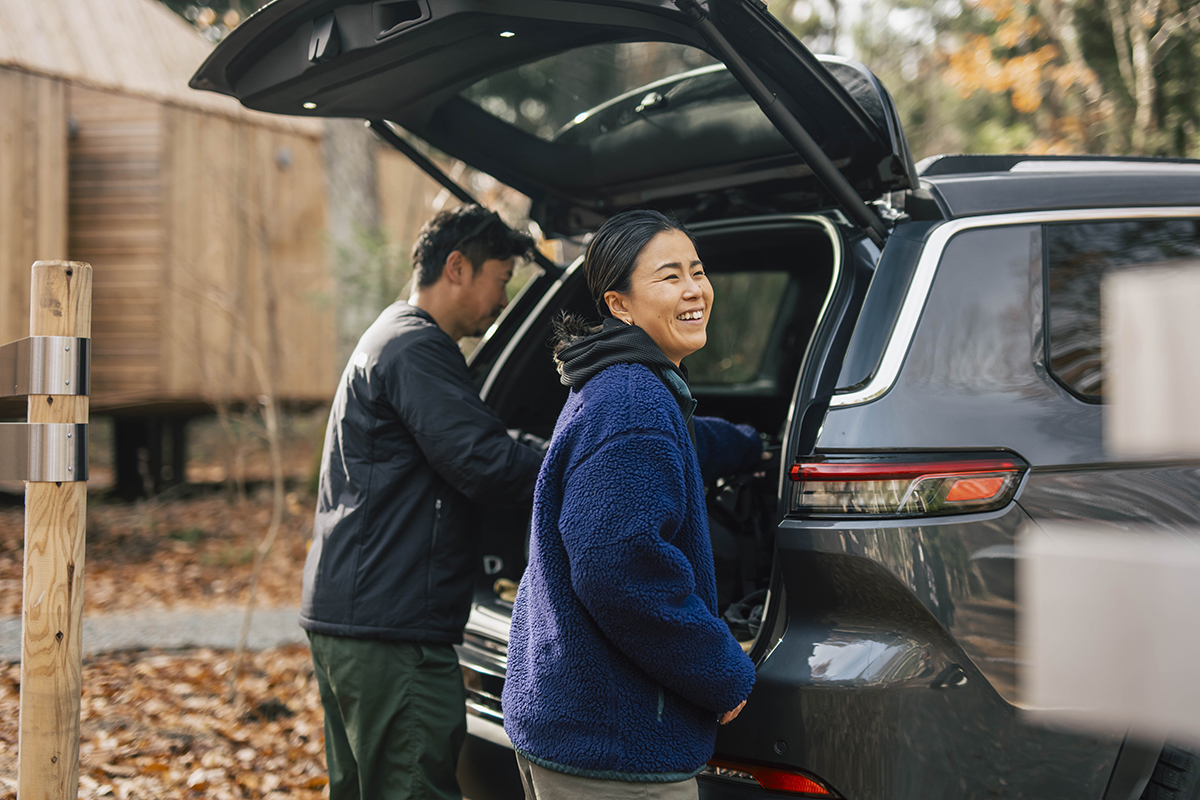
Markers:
point(621, 509)
point(464, 441)
point(724, 448)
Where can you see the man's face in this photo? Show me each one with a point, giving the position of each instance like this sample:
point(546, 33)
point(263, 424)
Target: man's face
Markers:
point(484, 295)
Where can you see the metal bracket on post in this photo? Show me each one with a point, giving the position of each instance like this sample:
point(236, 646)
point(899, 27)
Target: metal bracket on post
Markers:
point(59, 365)
point(48, 452)
point(44, 452)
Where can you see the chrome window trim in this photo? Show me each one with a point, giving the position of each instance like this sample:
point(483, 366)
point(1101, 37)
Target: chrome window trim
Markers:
point(900, 339)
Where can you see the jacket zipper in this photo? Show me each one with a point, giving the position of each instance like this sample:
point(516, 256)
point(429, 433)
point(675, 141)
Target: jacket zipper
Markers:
point(437, 523)
point(662, 699)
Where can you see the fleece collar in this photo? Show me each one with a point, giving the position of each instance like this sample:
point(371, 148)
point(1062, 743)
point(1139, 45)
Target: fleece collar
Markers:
point(619, 343)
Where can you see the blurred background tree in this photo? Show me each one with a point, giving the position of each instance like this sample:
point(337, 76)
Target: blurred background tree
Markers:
point(214, 18)
point(1036, 76)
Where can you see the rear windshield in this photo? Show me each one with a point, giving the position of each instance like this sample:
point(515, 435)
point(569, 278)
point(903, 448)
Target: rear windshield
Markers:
point(543, 97)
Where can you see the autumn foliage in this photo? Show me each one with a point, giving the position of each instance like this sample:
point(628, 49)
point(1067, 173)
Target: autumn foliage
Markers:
point(1089, 76)
point(156, 725)
point(160, 725)
point(1019, 60)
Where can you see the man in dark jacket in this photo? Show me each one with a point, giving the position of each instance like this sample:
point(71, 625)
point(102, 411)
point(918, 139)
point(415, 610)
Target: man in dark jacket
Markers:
point(409, 449)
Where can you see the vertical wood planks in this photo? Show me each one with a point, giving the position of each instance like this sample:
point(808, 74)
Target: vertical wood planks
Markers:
point(52, 603)
point(33, 183)
point(116, 225)
point(244, 211)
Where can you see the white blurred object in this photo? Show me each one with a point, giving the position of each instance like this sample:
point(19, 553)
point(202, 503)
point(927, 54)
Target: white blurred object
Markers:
point(1152, 361)
point(1109, 631)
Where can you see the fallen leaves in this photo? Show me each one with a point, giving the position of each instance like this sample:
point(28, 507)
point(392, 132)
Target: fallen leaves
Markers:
point(157, 725)
point(187, 553)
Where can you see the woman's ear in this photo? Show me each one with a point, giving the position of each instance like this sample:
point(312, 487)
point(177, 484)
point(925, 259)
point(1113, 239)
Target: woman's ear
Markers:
point(618, 307)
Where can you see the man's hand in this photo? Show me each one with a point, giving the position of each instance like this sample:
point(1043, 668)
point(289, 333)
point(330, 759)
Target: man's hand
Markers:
point(730, 716)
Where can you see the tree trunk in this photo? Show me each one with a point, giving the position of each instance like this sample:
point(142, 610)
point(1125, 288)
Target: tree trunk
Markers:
point(353, 224)
point(1143, 70)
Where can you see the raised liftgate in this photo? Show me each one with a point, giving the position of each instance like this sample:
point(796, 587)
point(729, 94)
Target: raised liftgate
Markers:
point(49, 453)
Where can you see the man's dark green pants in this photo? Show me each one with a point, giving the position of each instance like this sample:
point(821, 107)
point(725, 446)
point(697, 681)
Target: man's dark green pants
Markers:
point(394, 717)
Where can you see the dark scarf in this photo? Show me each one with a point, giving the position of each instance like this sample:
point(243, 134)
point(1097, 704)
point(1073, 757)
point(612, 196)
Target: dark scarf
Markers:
point(618, 343)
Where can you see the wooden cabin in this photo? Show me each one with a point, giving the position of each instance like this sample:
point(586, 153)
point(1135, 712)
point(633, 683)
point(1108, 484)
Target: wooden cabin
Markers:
point(204, 222)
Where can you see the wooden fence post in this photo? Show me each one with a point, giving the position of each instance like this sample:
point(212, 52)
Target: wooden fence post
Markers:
point(52, 604)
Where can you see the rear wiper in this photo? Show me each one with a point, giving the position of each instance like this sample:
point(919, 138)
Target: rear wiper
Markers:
point(384, 131)
point(787, 124)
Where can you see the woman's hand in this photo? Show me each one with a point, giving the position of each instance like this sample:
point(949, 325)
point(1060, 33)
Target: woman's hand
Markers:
point(730, 716)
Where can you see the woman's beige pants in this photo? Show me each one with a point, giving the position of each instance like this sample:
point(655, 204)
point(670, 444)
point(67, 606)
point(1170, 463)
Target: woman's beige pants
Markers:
point(546, 784)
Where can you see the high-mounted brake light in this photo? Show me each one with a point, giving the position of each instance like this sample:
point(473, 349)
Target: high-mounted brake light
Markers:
point(770, 778)
point(903, 485)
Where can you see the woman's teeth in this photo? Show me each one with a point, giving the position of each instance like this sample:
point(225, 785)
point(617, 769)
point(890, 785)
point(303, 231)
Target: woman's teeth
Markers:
point(691, 315)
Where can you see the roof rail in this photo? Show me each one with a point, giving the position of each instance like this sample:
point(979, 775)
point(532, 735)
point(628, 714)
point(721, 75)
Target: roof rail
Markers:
point(974, 163)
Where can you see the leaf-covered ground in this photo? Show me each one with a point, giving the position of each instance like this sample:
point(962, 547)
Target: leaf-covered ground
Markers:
point(184, 553)
point(158, 725)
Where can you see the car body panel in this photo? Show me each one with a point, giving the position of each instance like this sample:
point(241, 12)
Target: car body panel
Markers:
point(902, 331)
point(937, 730)
point(970, 378)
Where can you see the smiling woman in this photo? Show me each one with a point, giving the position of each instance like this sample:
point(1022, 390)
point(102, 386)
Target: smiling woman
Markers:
point(620, 570)
point(669, 296)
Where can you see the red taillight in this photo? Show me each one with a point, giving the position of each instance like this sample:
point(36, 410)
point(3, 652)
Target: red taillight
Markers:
point(770, 778)
point(893, 485)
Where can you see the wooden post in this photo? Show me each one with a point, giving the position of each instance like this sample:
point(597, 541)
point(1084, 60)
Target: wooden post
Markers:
point(52, 604)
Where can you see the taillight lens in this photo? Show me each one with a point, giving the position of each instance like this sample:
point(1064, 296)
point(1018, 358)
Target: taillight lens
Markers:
point(903, 485)
point(770, 778)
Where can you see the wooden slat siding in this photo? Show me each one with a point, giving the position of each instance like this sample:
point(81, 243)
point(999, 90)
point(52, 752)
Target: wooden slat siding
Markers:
point(294, 205)
point(205, 284)
point(33, 178)
point(138, 47)
point(117, 226)
point(406, 196)
point(243, 229)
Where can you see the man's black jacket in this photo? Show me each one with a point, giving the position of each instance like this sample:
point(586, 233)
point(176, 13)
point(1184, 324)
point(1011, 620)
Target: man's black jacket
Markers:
point(409, 447)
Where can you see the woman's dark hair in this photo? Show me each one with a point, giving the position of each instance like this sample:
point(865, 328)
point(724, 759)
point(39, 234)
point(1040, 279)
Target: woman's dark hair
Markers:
point(609, 263)
point(474, 231)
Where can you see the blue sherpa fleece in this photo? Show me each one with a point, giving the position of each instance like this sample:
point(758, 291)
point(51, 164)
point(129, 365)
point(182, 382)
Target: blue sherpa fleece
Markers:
point(618, 665)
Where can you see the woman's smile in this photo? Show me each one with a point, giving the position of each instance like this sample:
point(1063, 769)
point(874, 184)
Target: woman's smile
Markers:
point(669, 295)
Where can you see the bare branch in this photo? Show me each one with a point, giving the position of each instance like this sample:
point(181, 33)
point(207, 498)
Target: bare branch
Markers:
point(1165, 36)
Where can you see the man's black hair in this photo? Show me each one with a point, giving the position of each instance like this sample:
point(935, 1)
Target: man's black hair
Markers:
point(474, 231)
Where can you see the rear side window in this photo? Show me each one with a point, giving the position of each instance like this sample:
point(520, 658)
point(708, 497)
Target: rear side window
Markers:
point(1078, 255)
point(746, 308)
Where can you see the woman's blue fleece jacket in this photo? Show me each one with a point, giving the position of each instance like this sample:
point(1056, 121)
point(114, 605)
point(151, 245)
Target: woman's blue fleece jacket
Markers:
point(618, 665)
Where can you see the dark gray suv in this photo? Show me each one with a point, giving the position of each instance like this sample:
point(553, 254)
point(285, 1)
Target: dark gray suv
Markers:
point(921, 345)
